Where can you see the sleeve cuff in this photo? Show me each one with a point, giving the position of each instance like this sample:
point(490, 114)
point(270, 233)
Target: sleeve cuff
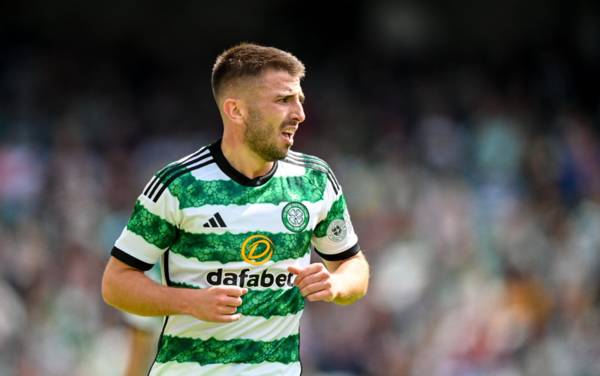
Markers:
point(342, 255)
point(130, 260)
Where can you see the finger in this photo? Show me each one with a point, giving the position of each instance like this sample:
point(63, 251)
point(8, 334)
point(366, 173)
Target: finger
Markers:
point(315, 287)
point(311, 279)
point(227, 310)
point(233, 290)
point(309, 270)
point(297, 272)
point(231, 301)
point(228, 318)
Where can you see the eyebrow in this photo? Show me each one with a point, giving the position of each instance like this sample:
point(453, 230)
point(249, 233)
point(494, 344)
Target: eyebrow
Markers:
point(300, 95)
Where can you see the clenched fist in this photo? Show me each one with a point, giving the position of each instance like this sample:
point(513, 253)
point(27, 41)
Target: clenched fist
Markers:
point(217, 303)
point(315, 282)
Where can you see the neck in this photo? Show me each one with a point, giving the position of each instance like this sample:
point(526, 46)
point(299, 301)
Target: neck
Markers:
point(244, 160)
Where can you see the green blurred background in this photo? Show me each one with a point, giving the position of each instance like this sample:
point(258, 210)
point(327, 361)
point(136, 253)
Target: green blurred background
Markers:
point(465, 135)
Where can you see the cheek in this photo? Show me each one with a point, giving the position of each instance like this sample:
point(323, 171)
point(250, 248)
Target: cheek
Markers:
point(274, 119)
point(270, 116)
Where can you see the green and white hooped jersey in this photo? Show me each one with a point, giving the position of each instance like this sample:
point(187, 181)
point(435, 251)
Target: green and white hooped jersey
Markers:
point(210, 225)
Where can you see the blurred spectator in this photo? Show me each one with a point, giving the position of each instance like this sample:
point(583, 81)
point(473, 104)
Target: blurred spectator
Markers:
point(475, 190)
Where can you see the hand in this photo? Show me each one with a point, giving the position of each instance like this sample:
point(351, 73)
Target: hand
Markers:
point(217, 303)
point(315, 282)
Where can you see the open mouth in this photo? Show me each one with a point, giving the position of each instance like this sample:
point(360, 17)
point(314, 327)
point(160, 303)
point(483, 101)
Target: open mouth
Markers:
point(289, 136)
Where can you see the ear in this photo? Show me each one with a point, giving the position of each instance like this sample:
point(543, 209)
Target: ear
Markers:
point(234, 110)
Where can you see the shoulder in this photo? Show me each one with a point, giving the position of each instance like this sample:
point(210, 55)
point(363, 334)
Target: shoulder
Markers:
point(314, 164)
point(177, 172)
point(309, 161)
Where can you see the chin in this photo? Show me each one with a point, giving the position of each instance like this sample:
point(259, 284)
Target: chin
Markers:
point(274, 154)
point(283, 152)
point(282, 155)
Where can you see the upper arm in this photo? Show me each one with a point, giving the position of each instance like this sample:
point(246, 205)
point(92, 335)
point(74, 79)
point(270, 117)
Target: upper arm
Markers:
point(334, 238)
point(116, 266)
point(116, 269)
point(151, 229)
point(115, 274)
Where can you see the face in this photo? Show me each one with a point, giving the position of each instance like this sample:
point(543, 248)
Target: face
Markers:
point(274, 112)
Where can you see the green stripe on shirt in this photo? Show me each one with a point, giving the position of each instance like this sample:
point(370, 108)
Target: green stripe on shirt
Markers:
point(227, 247)
point(336, 212)
point(192, 192)
point(212, 351)
point(266, 303)
point(154, 229)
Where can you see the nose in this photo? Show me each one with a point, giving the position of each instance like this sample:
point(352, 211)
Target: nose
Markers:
point(298, 112)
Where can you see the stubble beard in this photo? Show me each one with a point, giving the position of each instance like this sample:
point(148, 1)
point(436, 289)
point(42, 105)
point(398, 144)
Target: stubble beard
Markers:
point(259, 139)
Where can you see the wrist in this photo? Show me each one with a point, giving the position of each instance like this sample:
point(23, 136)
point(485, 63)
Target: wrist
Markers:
point(182, 304)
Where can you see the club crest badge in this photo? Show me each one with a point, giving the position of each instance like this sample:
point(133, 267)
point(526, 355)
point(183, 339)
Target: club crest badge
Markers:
point(337, 230)
point(295, 216)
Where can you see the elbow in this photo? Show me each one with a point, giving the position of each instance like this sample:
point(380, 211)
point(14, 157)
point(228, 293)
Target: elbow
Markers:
point(107, 288)
point(363, 292)
point(354, 297)
point(348, 300)
point(359, 295)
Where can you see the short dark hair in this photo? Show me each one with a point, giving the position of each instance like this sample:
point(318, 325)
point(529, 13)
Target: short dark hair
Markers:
point(250, 60)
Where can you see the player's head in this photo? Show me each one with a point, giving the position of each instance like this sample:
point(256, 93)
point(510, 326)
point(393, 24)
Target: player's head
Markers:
point(257, 90)
point(247, 60)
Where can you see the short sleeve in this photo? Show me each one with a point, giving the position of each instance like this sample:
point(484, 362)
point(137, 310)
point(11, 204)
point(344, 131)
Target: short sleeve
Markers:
point(334, 237)
point(151, 229)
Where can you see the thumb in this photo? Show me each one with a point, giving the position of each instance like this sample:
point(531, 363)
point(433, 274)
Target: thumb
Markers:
point(234, 290)
point(294, 270)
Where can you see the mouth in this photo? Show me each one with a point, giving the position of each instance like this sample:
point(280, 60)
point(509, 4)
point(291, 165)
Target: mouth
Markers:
point(288, 136)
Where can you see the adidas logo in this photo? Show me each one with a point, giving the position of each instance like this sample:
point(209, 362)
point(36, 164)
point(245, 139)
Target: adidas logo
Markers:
point(215, 221)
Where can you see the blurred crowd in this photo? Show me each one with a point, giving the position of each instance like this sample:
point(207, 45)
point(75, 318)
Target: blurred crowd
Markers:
point(476, 198)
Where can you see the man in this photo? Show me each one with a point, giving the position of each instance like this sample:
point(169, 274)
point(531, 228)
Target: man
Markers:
point(232, 226)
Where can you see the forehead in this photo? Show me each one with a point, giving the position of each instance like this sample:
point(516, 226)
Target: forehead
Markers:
point(278, 81)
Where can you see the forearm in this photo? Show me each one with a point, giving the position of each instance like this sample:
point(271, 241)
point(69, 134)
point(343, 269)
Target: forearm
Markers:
point(352, 278)
point(128, 289)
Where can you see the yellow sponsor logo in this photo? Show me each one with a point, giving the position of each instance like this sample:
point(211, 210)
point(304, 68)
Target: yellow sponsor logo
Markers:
point(257, 249)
